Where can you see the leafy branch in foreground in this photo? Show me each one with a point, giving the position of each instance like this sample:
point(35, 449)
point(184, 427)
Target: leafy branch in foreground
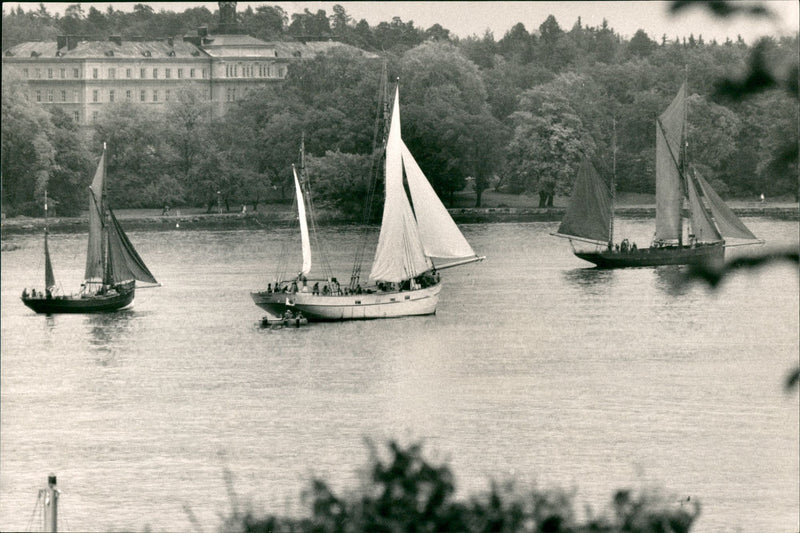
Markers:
point(406, 493)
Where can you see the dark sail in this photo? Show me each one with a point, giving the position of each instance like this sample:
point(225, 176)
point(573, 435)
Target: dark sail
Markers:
point(669, 196)
point(125, 263)
point(95, 253)
point(728, 223)
point(49, 278)
point(702, 226)
point(588, 215)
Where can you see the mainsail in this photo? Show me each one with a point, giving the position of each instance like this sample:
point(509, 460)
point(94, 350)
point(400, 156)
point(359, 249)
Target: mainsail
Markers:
point(588, 216)
point(728, 223)
point(95, 251)
point(49, 278)
point(400, 255)
point(669, 195)
point(301, 213)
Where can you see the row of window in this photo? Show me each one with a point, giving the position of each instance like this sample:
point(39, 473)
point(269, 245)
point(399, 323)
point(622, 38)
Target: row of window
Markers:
point(53, 73)
point(155, 96)
point(179, 73)
point(249, 71)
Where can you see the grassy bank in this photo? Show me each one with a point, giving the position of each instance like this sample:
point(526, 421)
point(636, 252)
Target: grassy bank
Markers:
point(497, 207)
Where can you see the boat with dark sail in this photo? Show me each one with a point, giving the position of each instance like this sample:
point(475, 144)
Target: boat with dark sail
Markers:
point(590, 214)
point(413, 246)
point(112, 263)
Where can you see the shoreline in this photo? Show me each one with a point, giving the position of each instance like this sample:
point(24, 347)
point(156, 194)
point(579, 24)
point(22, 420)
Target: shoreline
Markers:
point(233, 221)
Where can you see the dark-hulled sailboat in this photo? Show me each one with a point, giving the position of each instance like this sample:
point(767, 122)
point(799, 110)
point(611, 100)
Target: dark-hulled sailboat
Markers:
point(112, 263)
point(589, 216)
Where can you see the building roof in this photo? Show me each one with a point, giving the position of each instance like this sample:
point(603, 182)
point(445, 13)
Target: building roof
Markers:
point(86, 49)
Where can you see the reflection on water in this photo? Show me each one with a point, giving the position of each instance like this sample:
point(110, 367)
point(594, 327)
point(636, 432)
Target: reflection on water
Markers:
point(107, 331)
point(593, 280)
point(533, 366)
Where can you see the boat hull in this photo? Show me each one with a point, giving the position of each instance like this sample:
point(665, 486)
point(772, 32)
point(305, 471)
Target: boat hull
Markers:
point(684, 255)
point(80, 304)
point(316, 307)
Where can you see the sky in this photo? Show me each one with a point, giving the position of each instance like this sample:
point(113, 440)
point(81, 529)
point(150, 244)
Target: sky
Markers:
point(475, 18)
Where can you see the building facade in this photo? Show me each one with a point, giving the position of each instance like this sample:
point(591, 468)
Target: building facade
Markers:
point(84, 76)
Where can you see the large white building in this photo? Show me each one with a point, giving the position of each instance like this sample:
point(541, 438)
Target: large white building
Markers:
point(83, 76)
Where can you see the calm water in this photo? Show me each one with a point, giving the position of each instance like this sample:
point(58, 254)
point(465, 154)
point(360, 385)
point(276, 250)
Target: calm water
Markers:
point(534, 367)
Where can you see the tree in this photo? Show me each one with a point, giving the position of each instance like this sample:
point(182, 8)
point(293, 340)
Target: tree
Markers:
point(641, 45)
point(28, 155)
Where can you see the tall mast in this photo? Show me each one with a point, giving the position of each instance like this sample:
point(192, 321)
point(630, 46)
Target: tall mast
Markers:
point(613, 183)
point(105, 240)
point(685, 146)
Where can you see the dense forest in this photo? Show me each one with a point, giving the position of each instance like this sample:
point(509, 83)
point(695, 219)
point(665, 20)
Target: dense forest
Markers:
point(516, 113)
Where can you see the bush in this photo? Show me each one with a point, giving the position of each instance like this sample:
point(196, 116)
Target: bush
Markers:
point(406, 493)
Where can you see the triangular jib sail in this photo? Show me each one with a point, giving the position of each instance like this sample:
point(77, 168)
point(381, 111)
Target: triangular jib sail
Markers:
point(588, 216)
point(125, 261)
point(728, 223)
point(702, 225)
point(49, 278)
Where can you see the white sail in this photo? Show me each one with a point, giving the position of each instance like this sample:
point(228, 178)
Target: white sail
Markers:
point(669, 197)
point(702, 226)
point(439, 234)
point(400, 255)
point(95, 250)
point(301, 213)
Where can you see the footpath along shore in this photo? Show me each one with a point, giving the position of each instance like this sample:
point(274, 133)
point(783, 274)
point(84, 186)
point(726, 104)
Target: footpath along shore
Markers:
point(270, 217)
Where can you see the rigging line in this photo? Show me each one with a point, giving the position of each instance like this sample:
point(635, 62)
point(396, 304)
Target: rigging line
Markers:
point(33, 514)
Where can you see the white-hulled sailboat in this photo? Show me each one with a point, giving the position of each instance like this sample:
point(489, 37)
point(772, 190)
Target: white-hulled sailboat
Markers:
point(413, 246)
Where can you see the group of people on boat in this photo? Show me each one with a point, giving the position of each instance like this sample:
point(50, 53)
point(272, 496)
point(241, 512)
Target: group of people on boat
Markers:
point(625, 247)
point(47, 294)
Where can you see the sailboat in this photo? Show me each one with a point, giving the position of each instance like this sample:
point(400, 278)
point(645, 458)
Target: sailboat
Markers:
point(413, 246)
point(590, 214)
point(112, 263)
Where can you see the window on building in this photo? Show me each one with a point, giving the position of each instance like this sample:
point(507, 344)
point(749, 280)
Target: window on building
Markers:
point(63, 96)
point(128, 73)
point(191, 73)
point(128, 95)
point(95, 95)
point(142, 73)
point(76, 115)
point(112, 73)
point(75, 73)
point(111, 95)
point(204, 73)
point(155, 95)
point(38, 95)
point(25, 72)
point(142, 95)
point(49, 73)
point(94, 73)
point(63, 73)
point(166, 95)
point(168, 73)
point(94, 116)
point(38, 74)
point(180, 73)
point(50, 95)
point(75, 95)
point(155, 73)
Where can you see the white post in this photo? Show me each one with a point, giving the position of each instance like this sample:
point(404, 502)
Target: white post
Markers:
point(51, 494)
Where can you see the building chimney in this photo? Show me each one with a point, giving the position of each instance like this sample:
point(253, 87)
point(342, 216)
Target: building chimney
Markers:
point(116, 39)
